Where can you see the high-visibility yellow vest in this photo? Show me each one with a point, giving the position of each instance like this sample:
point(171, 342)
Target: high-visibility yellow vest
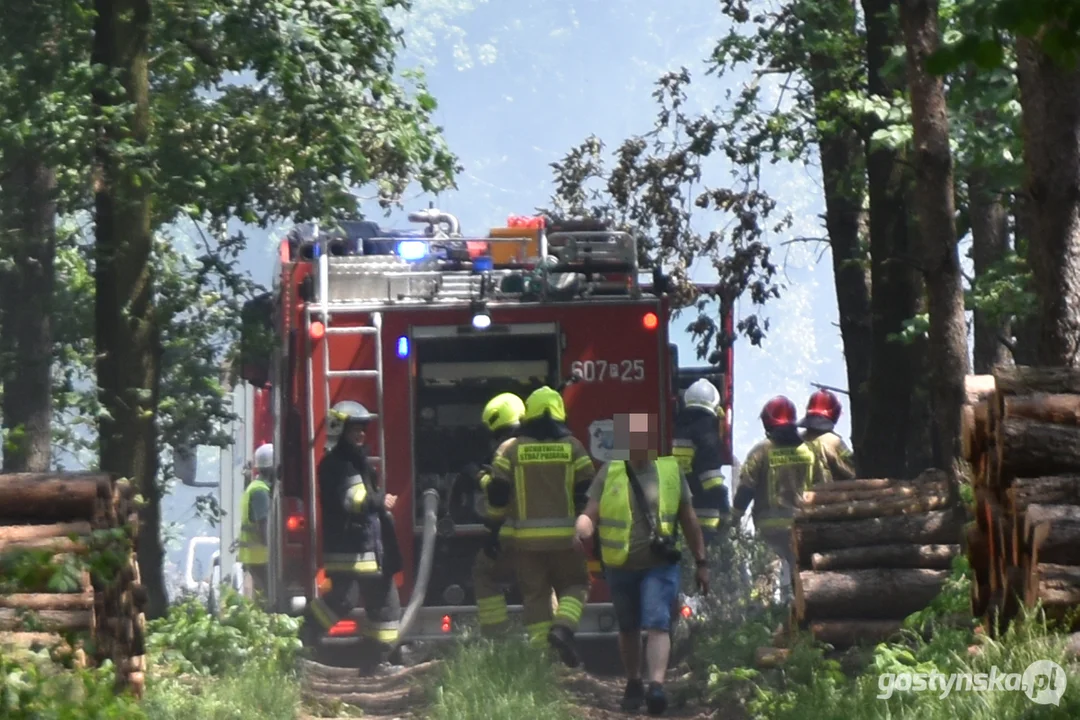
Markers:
point(615, 514)
point(252, 551)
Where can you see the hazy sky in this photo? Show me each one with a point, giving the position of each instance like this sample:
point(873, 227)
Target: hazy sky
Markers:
point(519, 83)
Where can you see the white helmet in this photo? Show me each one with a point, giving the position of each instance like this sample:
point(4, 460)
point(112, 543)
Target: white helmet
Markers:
point(343, 413)
point(264, 457)
point(703, 394)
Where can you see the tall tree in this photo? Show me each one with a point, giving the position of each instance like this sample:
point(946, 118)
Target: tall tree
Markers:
point(127, 339)
point(897, 292)
point(937, 210)
point(1050, 96)
point(43, 97)
point(28, 247)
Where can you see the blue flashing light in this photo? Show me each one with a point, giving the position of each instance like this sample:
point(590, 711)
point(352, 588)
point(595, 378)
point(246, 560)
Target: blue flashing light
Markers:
point(412, 249)
point(403, 347)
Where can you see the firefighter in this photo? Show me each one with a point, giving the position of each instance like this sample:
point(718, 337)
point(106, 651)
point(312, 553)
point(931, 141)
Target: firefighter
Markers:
point(254, 516)
point(542, 478)
point(494, 565)
point(776, 472)
point(697, 448)
point(359, 545)
point(822, 413)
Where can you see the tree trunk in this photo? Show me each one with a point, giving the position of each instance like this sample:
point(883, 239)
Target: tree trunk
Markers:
point(933, 528)
point(1050, 96)
point(989, 245)
point(41, 497)
point(127, 338)
point(948, 354)
point(860, 510)
point(1057, 586)
point(28, 246)
point(894, 297)
point(1052, 490)
point(903, 555)
point(882, 594)
point(849, 633)
point(1028, 448)
point(1025, 329)
point(887, 493)
point(843, 172)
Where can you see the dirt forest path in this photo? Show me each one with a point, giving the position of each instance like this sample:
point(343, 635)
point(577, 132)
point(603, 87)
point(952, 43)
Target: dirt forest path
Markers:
point(403, 694)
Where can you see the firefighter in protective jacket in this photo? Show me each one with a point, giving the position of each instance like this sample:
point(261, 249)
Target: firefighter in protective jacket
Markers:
point(776, 473)
point(494, 566)
point(359, 545)
point(697, 448)
point(252, 549)
point(822, 414)
point(542, 477)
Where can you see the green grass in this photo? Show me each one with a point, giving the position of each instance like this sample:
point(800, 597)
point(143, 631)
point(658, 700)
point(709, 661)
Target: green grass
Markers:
point(499, 681)
point(818, 689)
point(254, 693)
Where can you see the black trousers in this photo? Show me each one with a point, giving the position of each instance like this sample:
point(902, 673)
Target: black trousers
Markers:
point(378, 596)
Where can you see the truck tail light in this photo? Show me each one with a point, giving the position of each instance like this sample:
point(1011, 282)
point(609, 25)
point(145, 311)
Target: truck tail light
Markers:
point(342, 628)
point(446, 623)
point(295, 518)
point(649, 321)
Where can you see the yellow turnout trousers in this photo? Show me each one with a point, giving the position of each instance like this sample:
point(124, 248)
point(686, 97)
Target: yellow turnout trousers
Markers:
point(539, 572)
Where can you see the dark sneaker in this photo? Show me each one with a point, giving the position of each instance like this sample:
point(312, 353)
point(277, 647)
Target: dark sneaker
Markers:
point(633, 697)
point(561, 638)
point(655, 699)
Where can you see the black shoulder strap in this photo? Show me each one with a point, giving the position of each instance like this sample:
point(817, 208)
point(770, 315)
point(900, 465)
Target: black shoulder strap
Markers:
point(639, 494)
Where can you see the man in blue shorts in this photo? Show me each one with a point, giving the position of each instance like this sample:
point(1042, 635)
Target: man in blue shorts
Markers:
point(641, 550)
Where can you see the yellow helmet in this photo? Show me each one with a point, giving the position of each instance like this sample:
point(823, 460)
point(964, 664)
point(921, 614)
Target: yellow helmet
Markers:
point(502, 411)
point(545, 399)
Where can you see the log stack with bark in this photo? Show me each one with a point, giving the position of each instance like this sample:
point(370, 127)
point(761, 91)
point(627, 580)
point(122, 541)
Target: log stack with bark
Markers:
point(68, 569)
point(1023, 442)
point(871, 552)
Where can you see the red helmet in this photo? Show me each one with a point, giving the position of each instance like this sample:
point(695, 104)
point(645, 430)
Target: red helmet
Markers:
point(824, 404)
point(778, 412)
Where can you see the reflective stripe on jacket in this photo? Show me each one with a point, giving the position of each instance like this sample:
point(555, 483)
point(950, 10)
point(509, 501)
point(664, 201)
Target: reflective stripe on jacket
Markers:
point(251, 551)
point(545, 477)
point(616, 514)
point(835, 456)
point(698, 449)
point(778, 475)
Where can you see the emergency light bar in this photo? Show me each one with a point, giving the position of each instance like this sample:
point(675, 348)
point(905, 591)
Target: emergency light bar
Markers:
point(412, 250)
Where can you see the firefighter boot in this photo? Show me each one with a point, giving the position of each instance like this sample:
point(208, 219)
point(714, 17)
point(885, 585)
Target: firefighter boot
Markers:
point(561, 639)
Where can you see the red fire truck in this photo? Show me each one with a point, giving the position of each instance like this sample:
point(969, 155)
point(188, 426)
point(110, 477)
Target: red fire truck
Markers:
point(423, 327)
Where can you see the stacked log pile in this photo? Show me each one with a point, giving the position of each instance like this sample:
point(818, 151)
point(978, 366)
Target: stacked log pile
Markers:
point(80, 524)
point(870, 553)
point(1023, 442)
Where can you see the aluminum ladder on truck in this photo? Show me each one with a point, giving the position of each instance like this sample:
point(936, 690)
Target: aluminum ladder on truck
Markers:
point(323, 311)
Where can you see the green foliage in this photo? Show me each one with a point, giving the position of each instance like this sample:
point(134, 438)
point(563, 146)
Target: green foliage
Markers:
point(32, 687)
point(656, 191)
point(29, 570)
point(1005, 289)
point(191, 640)
point(507, 680)
point(1053, 24)
point(810, 685)
point(254, 692)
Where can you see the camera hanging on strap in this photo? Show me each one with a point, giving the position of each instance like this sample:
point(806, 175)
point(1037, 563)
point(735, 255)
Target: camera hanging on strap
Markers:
point(666, 547)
